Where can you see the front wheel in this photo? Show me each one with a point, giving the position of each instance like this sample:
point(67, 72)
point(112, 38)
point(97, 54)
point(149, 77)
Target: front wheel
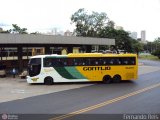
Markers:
point(48, 80)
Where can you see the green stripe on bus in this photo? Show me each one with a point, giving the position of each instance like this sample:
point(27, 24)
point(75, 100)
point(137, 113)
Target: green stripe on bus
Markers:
point(64, 73)
point(74, 72)
point(69, 72)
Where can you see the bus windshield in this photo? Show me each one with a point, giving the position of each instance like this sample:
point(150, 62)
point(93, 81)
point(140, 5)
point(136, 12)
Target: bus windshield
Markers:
point(34, 66)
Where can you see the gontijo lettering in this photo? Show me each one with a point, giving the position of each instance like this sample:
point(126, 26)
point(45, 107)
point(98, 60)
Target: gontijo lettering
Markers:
point(96, 68)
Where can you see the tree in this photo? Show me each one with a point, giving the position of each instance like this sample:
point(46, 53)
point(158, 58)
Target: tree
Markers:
point(157, 43)
point(111, 24)
point(88, 24)
point(99, 25)
point(122, 39)
point(156, 52)
point(137, 46)
point(17, 29)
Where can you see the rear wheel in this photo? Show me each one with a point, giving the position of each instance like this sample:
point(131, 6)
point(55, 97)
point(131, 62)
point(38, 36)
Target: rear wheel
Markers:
point(48, 80)
point(117, 78)
point(107, 79)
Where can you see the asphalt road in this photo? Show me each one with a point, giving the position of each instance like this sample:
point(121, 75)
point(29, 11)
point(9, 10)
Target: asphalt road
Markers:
point(98, 101)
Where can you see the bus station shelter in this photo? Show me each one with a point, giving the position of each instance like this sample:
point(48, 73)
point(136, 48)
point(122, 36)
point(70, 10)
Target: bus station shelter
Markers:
point(15, 49)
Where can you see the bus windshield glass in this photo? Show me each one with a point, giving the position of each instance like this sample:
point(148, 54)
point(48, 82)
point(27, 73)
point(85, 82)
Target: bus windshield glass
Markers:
point(34, 66)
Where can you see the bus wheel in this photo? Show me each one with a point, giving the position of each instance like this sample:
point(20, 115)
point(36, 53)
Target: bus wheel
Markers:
point(107, 79)
point(117, 79)
point(48, 80)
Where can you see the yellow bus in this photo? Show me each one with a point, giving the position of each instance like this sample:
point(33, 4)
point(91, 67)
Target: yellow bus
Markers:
point(82, 67)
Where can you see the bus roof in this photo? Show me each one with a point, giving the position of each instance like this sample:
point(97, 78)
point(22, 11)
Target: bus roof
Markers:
point(99, 55)
point(51, 55)
point(85, 55)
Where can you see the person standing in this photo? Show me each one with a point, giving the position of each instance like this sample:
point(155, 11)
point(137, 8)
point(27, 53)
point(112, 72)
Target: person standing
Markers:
point(14, 72)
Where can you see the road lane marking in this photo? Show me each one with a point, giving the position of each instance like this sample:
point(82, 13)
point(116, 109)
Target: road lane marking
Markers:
point(104, 103)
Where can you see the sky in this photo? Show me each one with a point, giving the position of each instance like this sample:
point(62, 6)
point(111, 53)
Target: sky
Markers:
point(46, 15)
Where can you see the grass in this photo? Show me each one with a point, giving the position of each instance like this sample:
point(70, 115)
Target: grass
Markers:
point(149, 57)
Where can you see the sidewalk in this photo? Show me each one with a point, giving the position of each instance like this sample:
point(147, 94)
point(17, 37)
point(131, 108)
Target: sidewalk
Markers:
point(140, 64)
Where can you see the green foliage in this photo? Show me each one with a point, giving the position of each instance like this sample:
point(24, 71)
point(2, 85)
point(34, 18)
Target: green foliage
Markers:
point(98, 25)
point(88, 24)
point(122, 39)
point(17, 29)
point(149, 57)
point(137, 46)
point(156, 53)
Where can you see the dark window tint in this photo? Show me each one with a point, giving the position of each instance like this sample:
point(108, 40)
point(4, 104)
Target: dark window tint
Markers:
point(35, 61)
point(34, 67)
point(48, 62)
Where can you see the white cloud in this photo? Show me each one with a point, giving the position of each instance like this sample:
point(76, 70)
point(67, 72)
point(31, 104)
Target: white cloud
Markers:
point(37, 15)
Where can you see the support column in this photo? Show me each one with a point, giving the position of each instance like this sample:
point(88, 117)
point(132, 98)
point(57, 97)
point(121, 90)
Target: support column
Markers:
point(1, 53)
point(97, 48)
point(20, 61)
point(27, 53)
point(70, 49)
point(88, 48)
point(47, 50)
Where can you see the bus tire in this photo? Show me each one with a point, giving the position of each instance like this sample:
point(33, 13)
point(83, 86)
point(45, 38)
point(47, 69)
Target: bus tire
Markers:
point(116, 78)
point(107, 79)
point(48, 81)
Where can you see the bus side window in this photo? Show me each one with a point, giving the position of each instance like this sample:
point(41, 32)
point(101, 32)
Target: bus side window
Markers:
point(87, 61)
point(132, 61)
point(84, 61)
point(125, 61)
point(59, 62)
point(75, 61)
point(80, 61)
point(116, 61)
point(96, 62)
point(111, 61)
point(64, 62)
point(100, 61)
point(69, 62)
point(48, 62)
point(106, 61)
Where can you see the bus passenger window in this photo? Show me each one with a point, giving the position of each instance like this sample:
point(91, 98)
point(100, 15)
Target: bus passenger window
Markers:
point(48, 62)
point(118, 62)
point(63, 62)
point(111, 61)
point(75, 62)
point(96, 62)
point(70, 62)
point(126, 62)
point(132, 62)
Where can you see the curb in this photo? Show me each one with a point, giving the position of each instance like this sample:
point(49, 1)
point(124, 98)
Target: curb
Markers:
point(140, 64)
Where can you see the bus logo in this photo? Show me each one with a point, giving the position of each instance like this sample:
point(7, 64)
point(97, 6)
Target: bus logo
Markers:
point(96, 68)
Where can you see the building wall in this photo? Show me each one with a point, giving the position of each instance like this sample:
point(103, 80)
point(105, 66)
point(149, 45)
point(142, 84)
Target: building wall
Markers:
point(52, 39)
point(133, 35)
point(143, 35)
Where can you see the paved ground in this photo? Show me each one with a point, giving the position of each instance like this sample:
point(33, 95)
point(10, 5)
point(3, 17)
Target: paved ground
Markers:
point(16, 88)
